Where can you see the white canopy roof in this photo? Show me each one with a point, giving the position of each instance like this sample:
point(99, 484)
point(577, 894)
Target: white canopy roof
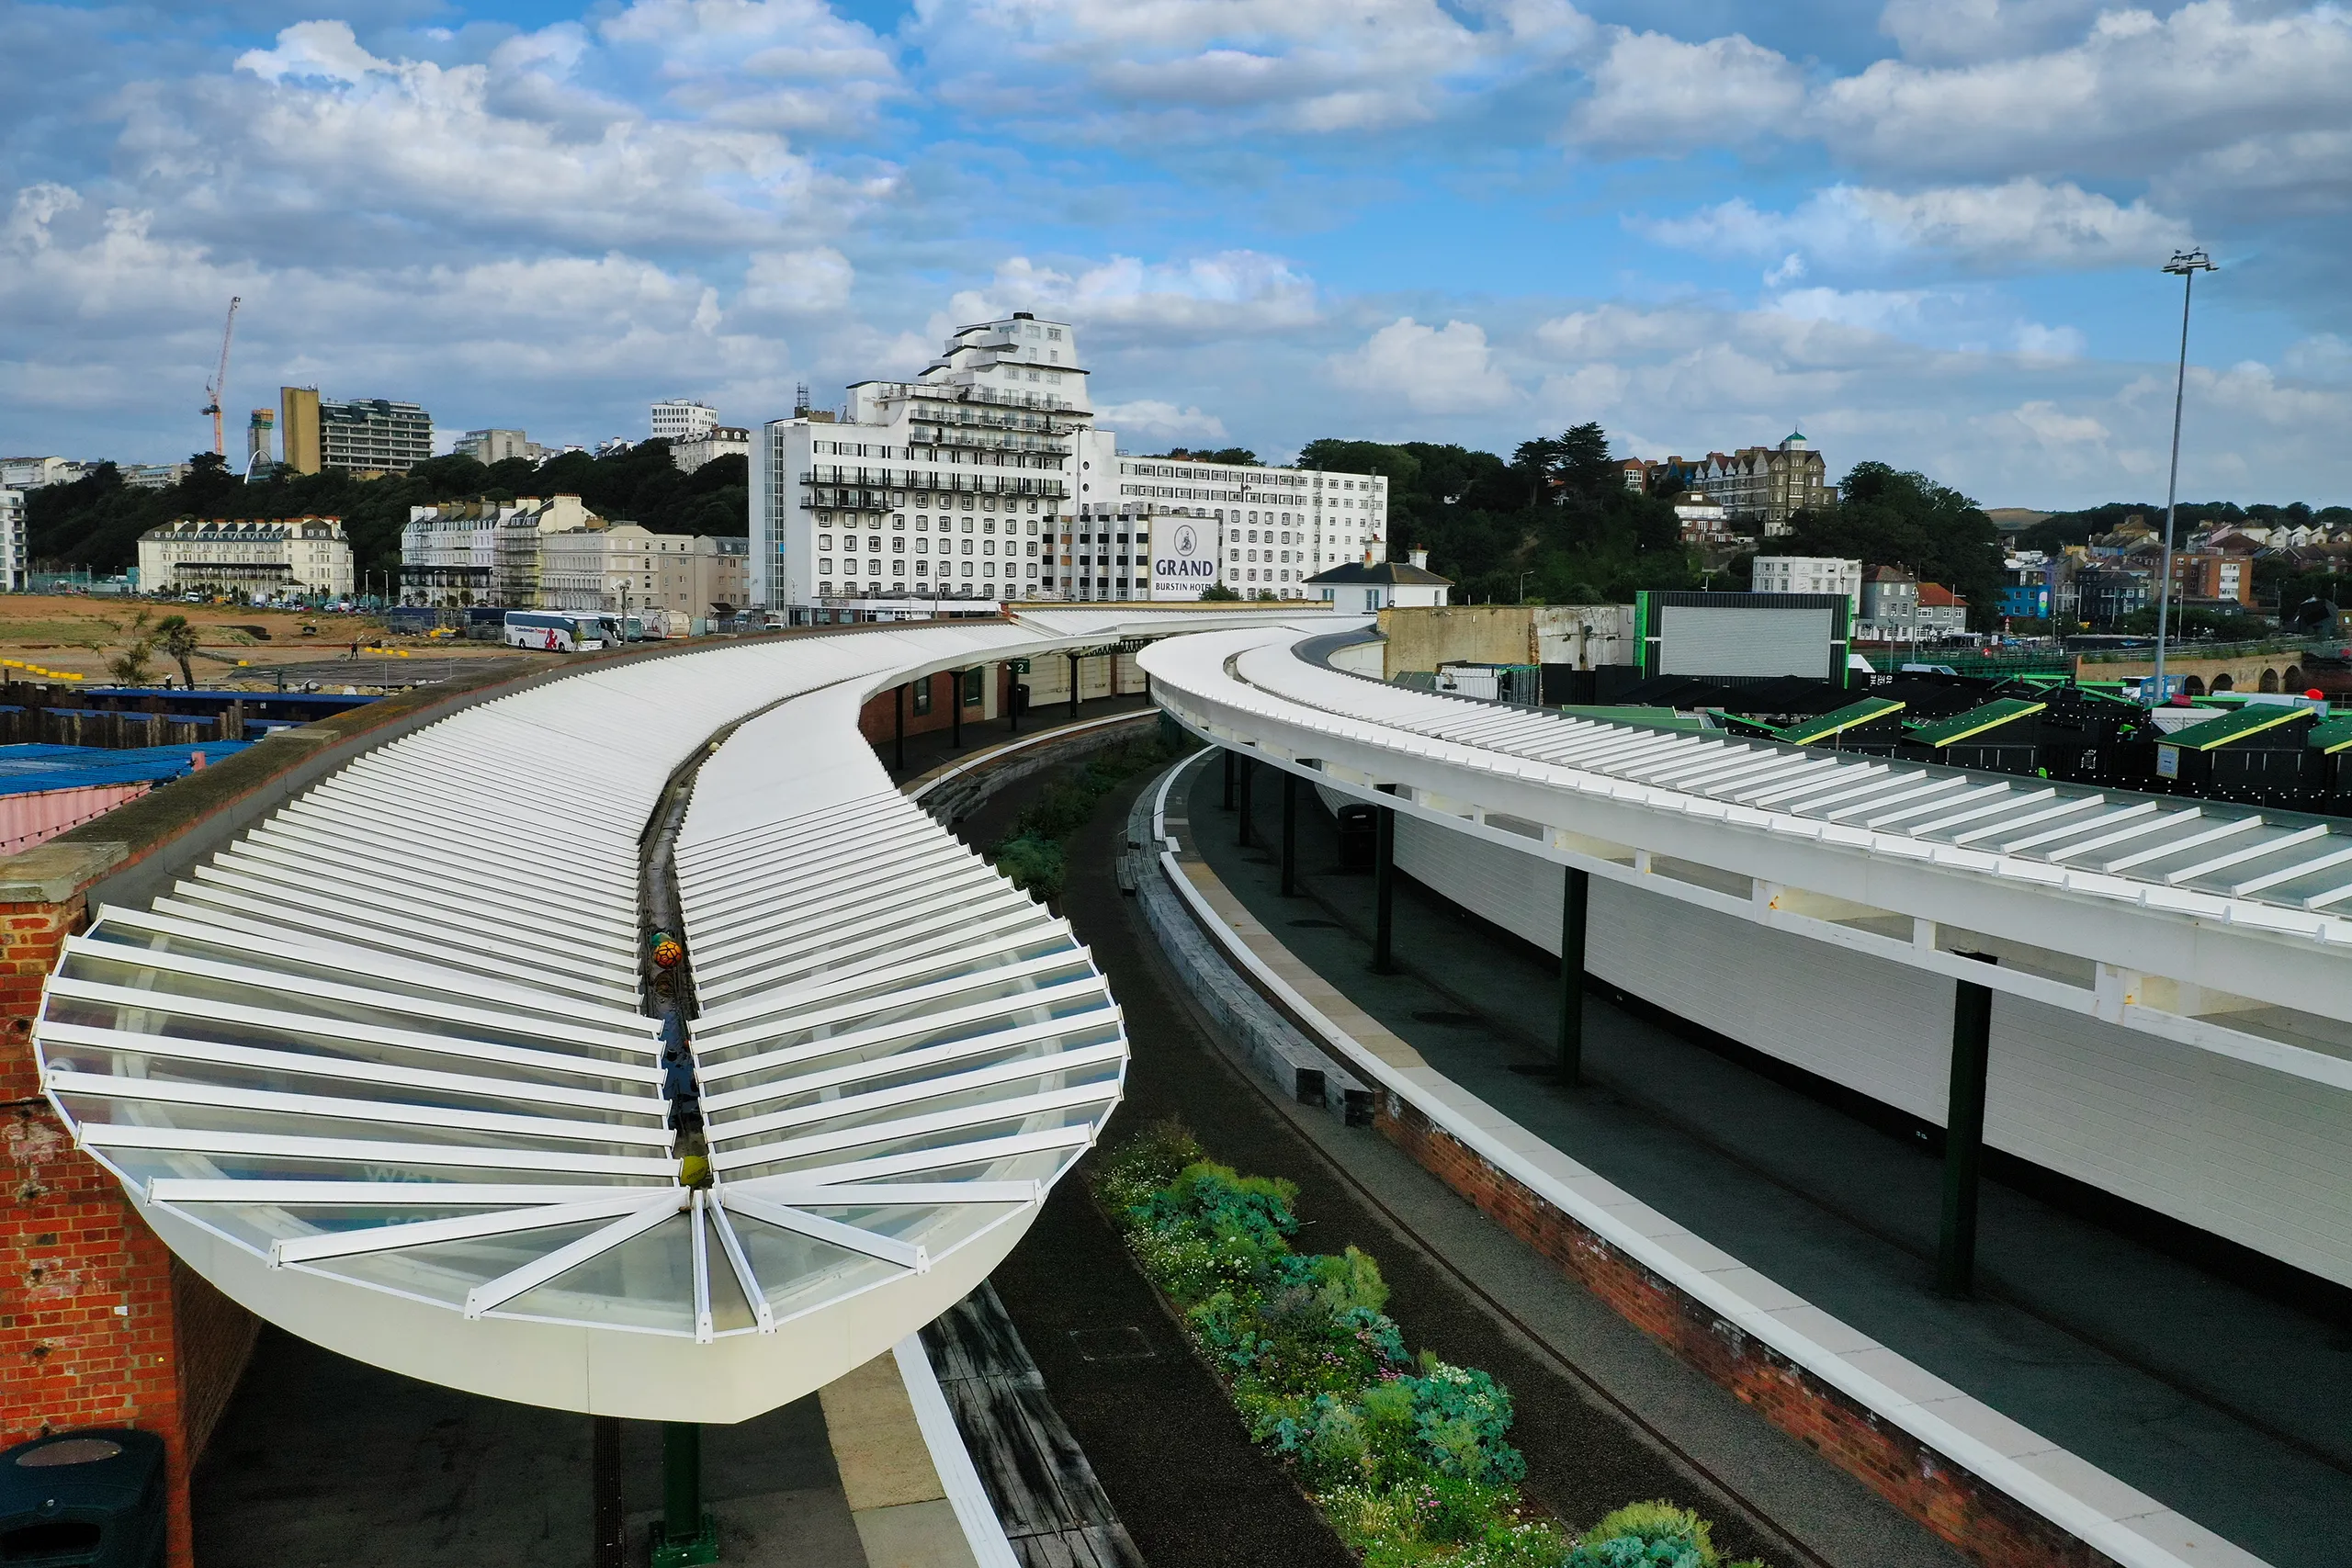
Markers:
point(379, 1070)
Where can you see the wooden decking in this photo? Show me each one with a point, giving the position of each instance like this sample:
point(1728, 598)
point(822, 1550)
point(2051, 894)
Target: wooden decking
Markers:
point(1053, 1510)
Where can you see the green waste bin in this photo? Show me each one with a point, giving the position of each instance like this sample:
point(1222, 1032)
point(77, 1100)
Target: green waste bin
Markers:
point(90, 1499)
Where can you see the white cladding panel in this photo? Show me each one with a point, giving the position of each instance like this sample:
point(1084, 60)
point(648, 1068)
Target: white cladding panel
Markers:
point(1698, 641)
point(2263, 1158)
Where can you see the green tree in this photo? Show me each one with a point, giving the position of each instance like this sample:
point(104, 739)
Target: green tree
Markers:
point(178, 640)
point(1890, 517)
point(130, 667)
point(1218, 592)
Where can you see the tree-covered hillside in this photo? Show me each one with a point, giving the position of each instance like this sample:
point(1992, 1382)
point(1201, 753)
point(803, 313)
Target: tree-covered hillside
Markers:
point(96, 521)
point(1556, 517)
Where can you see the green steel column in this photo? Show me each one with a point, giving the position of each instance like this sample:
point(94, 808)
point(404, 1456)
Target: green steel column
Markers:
point(688, 1535)
point(1290, 834)
point(956, 708)
point(1073, 688)
point(1384, 878)
point(1248, 770)
point(1228, 777)
point(1574, 899)
point(1971, 1036)
point(604, 1485)
point(899, 727)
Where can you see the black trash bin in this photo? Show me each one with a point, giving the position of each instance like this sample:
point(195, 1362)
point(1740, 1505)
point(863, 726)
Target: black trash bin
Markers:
point(1358, 835)
point(91, 1499)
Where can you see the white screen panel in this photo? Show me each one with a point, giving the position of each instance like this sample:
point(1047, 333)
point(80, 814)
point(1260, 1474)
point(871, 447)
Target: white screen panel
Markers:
point(1699, 639)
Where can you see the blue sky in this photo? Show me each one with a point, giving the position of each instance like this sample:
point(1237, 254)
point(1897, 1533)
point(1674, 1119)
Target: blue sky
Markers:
point(1924, 231)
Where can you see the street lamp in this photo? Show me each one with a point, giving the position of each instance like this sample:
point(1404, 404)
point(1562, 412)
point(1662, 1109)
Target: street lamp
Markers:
point(2187, 265)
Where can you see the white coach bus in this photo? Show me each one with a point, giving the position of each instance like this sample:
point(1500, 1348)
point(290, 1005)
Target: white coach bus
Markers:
point(559, 631)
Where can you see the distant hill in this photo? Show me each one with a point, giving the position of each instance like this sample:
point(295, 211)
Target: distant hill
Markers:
point(2016, 519)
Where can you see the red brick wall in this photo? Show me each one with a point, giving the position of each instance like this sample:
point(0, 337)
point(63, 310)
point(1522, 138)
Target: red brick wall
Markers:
point(875, 722)
point(99, 1325)
point(1980, 1520)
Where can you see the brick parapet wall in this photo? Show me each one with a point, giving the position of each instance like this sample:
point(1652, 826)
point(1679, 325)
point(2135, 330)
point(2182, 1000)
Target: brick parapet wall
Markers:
point(1982, 1521)
point(99, 1325)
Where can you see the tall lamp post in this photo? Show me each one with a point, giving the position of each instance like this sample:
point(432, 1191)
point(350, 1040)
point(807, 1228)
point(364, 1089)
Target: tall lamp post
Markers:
point(2187, 265)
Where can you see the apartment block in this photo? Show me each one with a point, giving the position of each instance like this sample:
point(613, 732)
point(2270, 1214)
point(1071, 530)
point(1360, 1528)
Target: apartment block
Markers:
point(985, 478)
point(1810, 574)
point(628, 570)
point(14, 559)
point(486, 446)
point(955, 485)
point(360, 436)
point(286, 554)
point(683, 419)
point(719, 441)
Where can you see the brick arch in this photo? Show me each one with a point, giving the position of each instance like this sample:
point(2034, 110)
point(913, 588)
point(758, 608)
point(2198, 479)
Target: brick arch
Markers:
point(2222, 682)
point(2293, 680)
point(2269, 681)
point(2194, 685)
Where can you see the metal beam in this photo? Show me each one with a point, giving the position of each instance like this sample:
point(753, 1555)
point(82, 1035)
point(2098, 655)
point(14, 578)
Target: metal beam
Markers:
point(1575, 897)
point(1971, 1037)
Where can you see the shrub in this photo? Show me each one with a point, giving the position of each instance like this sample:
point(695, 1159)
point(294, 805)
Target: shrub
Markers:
point(1646, 1533)
point(1034, 865)
point(1411, 1461)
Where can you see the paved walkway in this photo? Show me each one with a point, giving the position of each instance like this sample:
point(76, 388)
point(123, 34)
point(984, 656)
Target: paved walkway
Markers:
point(321, 1460)
point(2222, 1403)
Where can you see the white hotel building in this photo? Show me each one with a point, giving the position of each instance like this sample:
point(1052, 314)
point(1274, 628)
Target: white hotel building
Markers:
point(985, 480)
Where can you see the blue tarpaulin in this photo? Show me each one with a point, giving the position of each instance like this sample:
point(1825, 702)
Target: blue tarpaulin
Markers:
point(25, 769)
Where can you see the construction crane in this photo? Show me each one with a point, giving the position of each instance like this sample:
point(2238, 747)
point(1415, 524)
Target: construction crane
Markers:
point(218, 385)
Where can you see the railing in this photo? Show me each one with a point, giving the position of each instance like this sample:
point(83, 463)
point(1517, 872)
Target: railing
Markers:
point(2325, 647)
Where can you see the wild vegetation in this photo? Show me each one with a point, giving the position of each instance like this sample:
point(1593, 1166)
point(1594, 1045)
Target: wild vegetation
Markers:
point(1033, 856)
point(1408, 1457)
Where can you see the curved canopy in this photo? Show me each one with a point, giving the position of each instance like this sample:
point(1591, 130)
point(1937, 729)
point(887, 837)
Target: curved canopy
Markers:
point(379, 1069)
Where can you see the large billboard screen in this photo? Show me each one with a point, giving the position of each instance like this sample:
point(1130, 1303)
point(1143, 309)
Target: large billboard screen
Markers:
point(1741, 640)
point(1184, 557)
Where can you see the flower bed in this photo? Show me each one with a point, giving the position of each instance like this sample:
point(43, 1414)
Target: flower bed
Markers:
point(1408, 1456)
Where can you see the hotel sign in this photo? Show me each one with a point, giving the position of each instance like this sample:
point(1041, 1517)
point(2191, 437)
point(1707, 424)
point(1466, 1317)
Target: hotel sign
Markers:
point(1184, 558)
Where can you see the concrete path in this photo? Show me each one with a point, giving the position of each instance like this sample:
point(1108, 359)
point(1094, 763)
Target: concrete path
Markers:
point(327, 1461)
point(2223, 1402)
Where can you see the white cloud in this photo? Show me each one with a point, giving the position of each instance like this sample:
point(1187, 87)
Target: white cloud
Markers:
point(1447, 369)
point(1894, 310)
point(1949, 31)
point(2020, 224)
point(797, 282)
point(1162, 421)
point(1211, 68)
point(2136, 96)
point(1652, 93)
point(774, 64)
point(2325, 356)
point(2036, 340)
point(510, 150)
point(313, 50)
point(1124, 298)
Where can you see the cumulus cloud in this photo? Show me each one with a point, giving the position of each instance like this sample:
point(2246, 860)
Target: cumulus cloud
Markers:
point(797, 282)
point(1949, 31)
point(2020, 224)
point(1126, 299)
point(2136, 96)
point(1447, 369)
point(775, 64)
point(316, 131)
point(1161, 421)
point(327, 50)
point(1209, 68)
point(1655, 93)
